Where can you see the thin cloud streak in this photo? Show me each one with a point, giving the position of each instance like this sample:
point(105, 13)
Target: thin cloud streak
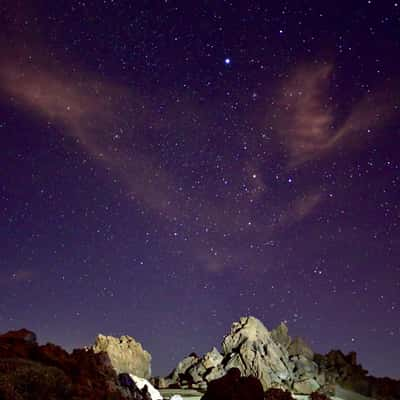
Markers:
point(307, 124)
point(92, 112)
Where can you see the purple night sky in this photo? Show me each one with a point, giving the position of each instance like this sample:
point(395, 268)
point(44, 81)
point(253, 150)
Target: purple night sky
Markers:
point(170, 166)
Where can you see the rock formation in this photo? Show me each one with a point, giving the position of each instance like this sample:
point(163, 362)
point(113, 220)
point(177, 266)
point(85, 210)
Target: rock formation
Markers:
point(126, 355)
point(279, 362)
point(250, 348)
point(30, 371)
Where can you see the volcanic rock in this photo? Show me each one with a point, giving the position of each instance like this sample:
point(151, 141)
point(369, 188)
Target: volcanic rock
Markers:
point(125, 354)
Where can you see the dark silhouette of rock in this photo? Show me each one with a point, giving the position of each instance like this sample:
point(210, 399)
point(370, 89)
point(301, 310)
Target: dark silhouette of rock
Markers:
point(278, 394)
point(234, 387)
point(21, 334)
point(343, 371)
point(51, 373)
point(318, 396)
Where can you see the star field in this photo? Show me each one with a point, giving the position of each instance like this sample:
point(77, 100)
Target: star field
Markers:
point(168, 167)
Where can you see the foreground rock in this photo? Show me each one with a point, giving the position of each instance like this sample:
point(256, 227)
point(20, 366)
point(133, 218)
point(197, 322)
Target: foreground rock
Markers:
point(234, 387)
point(125, 354)
point(278, 394)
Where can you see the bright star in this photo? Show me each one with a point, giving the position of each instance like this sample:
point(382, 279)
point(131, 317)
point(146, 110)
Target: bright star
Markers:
point(227, 61)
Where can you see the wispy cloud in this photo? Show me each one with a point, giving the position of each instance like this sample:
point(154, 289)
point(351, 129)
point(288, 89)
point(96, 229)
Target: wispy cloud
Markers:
point(110, 124)
point(307, 123)
point(89, 111)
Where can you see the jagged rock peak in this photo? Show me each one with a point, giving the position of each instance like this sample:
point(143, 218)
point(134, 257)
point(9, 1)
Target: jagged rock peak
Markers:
point(126, 355)
point(251, 348)
point(280, 335)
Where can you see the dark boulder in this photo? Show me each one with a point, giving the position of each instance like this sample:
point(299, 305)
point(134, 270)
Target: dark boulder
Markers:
point(318, 396)
point(234, 387)
point(278, 394)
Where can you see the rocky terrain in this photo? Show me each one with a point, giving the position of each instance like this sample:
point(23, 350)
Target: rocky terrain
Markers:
point(279, 361)
point(30, 371)
point(254, 363)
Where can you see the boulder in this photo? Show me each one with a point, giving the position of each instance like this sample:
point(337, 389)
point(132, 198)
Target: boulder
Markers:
point(278, 394)
point(318, 396)
point(250, 348)
point(306, 386)
point(234, 387)
point(304, 368)
point(125, 354)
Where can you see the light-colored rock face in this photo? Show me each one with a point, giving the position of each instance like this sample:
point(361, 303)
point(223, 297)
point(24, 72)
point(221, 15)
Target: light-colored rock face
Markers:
point(212, 359)
point(182, 367)
point(280, 335)
point(299, 347)
point(126, 355)
point(251, 348)
point(306, 386)
point(254, 350)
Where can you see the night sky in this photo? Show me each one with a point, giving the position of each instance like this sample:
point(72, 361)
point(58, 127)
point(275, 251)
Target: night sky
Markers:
point(169, 166)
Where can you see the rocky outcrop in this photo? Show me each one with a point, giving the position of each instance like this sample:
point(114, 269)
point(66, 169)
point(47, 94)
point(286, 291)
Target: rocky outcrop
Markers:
point(29, 371)
point(342, 372)
point(125, 354)
point(250, 348)
point(280, 362)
